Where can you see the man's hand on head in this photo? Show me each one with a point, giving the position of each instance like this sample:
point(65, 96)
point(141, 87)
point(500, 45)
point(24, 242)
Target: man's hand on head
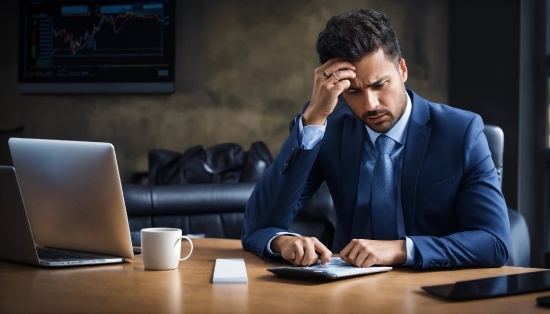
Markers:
point(330, 80)
point(365, 253)
point(301, 251)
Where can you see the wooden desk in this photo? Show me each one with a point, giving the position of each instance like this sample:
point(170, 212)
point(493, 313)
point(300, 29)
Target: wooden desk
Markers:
point(130, 288)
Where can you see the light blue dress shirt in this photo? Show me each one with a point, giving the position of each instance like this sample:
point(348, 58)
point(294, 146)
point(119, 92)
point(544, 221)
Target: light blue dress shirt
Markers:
point(311, 135)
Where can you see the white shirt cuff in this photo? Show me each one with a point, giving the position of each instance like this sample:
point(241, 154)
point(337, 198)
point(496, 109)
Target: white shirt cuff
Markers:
point(276, 235)
point(310, 135)
point(410, 251)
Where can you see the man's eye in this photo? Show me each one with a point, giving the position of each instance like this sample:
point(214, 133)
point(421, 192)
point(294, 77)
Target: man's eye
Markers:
point(351, 91)
point(379, 86)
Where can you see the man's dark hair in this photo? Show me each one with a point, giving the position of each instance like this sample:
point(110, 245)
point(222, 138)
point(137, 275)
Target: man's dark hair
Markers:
point(356, 34)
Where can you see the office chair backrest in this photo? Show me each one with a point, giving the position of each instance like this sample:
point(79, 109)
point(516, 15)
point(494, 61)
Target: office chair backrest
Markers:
point(520, 249)
point(495, 138)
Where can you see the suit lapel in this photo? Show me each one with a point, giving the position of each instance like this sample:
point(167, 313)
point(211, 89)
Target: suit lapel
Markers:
point(353, 140)
point(418, 136)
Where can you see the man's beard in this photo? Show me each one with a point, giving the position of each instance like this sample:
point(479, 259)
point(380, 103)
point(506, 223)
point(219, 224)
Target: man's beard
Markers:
point(393, 119)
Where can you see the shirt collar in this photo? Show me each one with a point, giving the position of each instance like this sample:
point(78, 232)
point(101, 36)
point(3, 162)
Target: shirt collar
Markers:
point(399, 131)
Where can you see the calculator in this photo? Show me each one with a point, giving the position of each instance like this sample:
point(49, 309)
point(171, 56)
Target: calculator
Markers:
point(336, 268)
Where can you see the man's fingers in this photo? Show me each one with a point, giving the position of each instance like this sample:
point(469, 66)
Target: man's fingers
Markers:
point(350, 251)
point(330, 80)
point(345, 251)
point(322, 252)
point(338, 82)
point(296, 251)
point(299, 253)
point(334, 65)
point(290, 256)
point(325, 256)
point(340, 75)
point(341, 86)
point(354, 255)
point(310, 256)
point(313, 250)
point(305, 251)
point(365, 253)
point(363, 257)
point(369, 261)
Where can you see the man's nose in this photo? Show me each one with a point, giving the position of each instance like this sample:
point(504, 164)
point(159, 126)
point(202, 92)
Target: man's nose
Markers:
point(371, 101)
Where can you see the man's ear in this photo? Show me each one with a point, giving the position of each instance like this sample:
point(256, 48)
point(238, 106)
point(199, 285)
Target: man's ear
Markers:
point(403, 70)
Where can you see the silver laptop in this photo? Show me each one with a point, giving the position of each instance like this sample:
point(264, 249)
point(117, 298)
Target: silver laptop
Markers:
point(62, 205)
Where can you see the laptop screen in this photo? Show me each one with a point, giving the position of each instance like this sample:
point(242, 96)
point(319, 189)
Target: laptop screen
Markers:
point(73, 195)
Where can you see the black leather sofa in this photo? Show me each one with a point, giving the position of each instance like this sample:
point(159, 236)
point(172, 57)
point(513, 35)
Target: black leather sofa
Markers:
point(203, 193)
point(216, 210)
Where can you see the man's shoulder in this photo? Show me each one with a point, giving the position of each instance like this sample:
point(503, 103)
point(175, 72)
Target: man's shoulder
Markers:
point(440, 109)
point(442, 115)
point(447, 111)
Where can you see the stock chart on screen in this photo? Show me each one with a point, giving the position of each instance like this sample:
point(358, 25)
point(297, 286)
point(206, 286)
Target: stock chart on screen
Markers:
point(96, 46)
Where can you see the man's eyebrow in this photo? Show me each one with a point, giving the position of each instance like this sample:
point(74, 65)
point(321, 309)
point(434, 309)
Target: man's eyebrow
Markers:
point(378, 81)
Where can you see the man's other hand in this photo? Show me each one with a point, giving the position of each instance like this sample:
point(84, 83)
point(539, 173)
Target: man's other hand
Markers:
point(365, 253)
point(301, 251)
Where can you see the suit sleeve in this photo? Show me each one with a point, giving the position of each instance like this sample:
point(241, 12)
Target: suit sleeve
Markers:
point(279, 195)
point(484, 231)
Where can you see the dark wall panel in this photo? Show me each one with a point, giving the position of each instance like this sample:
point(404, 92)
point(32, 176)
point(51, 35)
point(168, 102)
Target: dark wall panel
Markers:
point(484, 71)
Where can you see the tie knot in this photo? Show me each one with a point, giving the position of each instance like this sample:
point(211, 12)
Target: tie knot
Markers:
point(385, 144)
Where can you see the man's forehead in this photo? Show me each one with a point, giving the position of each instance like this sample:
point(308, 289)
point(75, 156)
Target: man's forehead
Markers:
point(374, 73)
point(370, 78)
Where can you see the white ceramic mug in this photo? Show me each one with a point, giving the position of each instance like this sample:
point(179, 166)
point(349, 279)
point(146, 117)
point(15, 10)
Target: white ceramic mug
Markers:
point(161, 248)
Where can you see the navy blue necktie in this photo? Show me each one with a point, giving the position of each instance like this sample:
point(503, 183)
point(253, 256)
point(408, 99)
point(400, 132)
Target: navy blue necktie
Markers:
point(384, 192)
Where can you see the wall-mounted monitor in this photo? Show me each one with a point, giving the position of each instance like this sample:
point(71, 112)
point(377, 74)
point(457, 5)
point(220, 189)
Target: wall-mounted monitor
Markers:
point(96, 46)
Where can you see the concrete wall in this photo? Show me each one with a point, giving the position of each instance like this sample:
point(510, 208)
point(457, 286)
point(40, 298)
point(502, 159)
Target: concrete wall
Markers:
point(244, 69)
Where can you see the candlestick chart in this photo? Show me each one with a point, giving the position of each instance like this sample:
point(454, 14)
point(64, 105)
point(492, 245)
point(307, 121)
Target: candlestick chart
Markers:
point(74, 39)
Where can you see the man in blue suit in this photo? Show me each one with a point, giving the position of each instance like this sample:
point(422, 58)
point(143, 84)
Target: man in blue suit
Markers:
point(427, 195)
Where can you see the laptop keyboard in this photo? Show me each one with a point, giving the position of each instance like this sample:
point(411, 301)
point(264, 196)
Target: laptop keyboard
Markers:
point(51, 255)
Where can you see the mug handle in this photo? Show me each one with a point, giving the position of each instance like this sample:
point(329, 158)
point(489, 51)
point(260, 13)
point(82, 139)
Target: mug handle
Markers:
point(191, 251)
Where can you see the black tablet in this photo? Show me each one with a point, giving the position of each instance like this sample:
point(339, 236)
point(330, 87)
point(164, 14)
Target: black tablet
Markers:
point(493, 287)
point(544, 301)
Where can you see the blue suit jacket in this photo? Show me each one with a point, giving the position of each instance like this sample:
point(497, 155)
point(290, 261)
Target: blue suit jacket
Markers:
point(453, 208)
